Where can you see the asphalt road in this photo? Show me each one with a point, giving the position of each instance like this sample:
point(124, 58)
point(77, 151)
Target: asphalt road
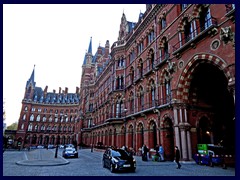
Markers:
point(90, 164)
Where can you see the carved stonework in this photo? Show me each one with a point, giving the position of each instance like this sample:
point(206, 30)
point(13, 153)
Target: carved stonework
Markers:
point(184, 126)
point(227, 35)
point(171, 67)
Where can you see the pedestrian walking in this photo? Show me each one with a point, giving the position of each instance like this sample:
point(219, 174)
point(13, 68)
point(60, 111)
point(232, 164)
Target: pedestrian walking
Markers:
point(161, 152)
point(144, 153)
point(177, 157)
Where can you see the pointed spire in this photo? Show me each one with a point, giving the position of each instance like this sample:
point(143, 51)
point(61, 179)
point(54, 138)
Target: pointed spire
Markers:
point(88, 52)
point(90, 46)
point(31, 79)
point(32, 75)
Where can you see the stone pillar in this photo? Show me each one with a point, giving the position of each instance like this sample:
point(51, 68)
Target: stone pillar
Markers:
point(180, 115)
point(189, 145)
point(184, 143)
point(176, 129)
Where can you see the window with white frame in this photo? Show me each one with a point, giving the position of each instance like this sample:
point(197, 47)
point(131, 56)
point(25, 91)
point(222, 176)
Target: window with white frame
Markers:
point(38, 118)
point(32, 117)
point(30, 127)
point(24, 117)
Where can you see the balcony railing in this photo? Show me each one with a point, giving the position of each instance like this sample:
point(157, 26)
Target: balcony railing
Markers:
point(148, 69)
point(193, 36)
point(163, 58)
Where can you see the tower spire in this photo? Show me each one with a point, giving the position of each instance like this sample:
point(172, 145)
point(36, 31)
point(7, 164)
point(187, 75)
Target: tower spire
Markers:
point(90, 46)
point(31, 79)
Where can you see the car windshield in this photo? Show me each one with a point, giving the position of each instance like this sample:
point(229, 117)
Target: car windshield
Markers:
point(120, 153)
point(70, 149)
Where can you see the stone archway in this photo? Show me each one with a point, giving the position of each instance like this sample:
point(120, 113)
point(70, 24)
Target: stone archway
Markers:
point(168, 138)
point(152, 136)
point(203, 87)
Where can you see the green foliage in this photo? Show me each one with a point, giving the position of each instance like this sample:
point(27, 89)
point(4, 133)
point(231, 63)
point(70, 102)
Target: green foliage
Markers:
point(13, 126)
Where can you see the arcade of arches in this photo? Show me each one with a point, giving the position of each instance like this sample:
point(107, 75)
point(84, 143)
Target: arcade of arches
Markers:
point(206, 115)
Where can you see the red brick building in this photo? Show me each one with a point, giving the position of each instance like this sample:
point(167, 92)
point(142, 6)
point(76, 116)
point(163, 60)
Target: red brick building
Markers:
point(47, 117)
point(169, 79)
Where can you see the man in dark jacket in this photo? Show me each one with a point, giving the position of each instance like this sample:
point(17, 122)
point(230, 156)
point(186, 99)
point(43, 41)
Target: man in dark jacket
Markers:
point(177, 157)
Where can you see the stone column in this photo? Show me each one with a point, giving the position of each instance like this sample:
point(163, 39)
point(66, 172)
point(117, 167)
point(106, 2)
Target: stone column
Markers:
point(183, 141)
point(176, 129)
point(189, 145)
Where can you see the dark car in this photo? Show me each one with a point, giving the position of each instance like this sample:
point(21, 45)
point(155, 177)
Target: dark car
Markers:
point(118, 159)
point(69, 152)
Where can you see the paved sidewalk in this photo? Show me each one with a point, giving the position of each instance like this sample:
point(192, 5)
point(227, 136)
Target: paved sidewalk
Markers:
point(42, 157)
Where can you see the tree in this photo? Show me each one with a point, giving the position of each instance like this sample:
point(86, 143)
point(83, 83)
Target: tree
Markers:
point(13, 126)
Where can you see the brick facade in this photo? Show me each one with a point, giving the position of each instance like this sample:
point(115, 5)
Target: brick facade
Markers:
point(150, 91)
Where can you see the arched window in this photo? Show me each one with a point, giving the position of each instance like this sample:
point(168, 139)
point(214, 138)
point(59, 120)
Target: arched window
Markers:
point(163, 23)
point(44, 119)
point(140, 67)
point(49, 128)
point(131, 102)
point(36, 128)
point(24, 117)
point(38, 118)
point(131, 75)
point(22, 126)
point(32, 117)
point(30, 127)
point(141, 99)
point(50, 119)
point(42, 128)
point(168, 90)
point(152, 94)
point(119, 108)
point(205, 19)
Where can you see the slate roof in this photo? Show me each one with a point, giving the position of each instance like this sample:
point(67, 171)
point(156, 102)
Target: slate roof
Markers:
point(55, 98)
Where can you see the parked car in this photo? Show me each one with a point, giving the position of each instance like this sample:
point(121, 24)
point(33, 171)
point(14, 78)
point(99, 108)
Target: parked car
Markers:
point(69, 152)
point(69, 145)
point(61, 146)
point(51, 146)
point(40, 147)
point(118, 159)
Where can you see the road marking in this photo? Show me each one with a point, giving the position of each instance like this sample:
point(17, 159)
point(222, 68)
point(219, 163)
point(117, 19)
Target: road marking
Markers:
point(25, 156)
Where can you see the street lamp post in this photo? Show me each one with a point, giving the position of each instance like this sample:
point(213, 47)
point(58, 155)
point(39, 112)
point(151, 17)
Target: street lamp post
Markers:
point(92, 139)
point(58, 138)
point(125, 128)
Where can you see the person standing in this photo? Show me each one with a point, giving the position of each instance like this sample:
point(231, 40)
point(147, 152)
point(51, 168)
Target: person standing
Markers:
point(177, 157)
point(161, 152)
point(144, 151)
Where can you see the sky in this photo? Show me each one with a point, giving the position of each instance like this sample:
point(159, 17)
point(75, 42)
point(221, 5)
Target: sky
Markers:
point(54, 38)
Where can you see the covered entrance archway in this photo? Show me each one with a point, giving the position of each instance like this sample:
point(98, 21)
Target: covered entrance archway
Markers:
point(210, 98)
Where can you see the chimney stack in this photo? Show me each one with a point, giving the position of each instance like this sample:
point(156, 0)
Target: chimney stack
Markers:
point(77, 90)
point(60, 90)
point(66, 90)
point(45, 92)
point(54, 91)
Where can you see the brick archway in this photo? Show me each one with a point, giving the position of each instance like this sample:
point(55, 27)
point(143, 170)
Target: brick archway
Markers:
point(186, 75)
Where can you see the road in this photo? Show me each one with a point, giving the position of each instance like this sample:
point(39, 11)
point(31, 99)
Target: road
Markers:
point(90, 164)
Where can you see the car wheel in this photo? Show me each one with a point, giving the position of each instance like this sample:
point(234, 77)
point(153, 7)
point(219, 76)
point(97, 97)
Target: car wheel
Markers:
point(134, 170)
point(112, 168)
point(103, 164)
